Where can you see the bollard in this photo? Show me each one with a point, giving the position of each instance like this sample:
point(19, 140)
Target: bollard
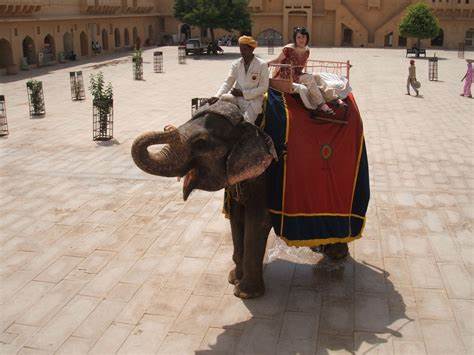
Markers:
point(433, 68)
point(77, 86)
point(461, 49)
point(158, 62)
point(182, 54)
point(3, 117)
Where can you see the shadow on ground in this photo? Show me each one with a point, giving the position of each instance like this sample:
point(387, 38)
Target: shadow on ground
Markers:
point(362, 324)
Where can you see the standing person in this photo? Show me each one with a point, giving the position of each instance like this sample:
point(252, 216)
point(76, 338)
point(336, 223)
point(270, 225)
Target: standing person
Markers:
point(296, 54)
point(247, 81)
point(411, 81)
point(468, 78)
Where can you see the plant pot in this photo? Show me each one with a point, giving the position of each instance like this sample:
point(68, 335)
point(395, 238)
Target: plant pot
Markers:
point(36, 99)
point(102, 120)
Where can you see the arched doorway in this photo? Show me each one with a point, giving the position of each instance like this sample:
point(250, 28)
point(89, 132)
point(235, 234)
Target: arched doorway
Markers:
point(438, 41)
point(49, 49)
point(347, 35)
point(469, 39)
point(151, 35)
point(126, 37)
point(388, 40)
point(296, 19)
point(84, 44)
point(270, 35)
point(136, 40)
point(105, 40)
point(6, 54)
point(68, 43)
point(117, 37)
point(29, 51)
point(184, 32)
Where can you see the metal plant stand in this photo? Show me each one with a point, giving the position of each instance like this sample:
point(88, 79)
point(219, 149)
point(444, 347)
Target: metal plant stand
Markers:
point(77, 86)
point(102, 120)
point(138, 68)
point(461, 49)
point(158, 62)
point(36, 99)
point(197, 103)
point(182, 55)
point(433, 69)
point(3, 117)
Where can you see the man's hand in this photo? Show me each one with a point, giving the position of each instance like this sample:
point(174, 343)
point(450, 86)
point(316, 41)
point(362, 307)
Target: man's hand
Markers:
point(236, 92)
point(212, 100)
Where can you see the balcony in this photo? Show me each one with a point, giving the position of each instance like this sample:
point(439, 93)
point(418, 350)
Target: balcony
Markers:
point(450, 5)
point(298, 4)
point(11, 8)
point(137, 6)
point(256, 5)
point(100, 7)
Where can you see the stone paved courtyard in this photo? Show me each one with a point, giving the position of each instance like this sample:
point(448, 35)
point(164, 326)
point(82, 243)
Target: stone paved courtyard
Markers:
point(98, 257)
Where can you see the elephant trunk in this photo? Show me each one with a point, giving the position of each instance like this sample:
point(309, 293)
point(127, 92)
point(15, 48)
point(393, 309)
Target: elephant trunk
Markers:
point(170, 161)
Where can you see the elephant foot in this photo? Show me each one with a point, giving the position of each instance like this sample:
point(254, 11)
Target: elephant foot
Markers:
point(247, 292)
point(336, 252)
point(234, 276)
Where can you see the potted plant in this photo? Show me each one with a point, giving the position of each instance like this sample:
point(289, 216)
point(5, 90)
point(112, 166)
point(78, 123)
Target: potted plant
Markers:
point(102, 107)
point(137, 60)
point(35, 97)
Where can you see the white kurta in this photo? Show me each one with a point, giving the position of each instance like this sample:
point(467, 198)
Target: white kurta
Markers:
point(253, 83)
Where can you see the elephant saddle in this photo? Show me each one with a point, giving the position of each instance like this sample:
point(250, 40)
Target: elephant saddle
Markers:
point(318, 191)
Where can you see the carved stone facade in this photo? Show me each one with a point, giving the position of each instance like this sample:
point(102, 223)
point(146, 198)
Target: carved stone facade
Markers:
point(40, 32)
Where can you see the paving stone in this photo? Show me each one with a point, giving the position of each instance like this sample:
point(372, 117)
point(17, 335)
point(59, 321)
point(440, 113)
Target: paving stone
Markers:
point(63, 324)
point(441, 337)
point(433, 304)
point(147, 335)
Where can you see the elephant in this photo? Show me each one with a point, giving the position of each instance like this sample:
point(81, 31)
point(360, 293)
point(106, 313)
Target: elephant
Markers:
point(218, 149)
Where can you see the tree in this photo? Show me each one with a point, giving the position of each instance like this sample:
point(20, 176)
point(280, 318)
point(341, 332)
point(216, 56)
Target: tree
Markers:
point(419, 22)
point(226, 14)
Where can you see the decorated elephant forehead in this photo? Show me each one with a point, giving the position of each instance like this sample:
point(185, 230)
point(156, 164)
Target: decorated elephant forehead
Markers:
point(222, 108)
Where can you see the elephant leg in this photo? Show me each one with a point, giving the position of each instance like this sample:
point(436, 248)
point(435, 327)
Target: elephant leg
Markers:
point(337, 251)
point(257, 227)
point(237, 224)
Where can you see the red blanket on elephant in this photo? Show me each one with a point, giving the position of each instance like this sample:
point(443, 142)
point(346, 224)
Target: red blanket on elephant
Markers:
point(319, 188)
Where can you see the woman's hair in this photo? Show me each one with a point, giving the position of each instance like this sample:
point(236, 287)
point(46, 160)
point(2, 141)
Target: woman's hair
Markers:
point(303, 31)
point(412, 61)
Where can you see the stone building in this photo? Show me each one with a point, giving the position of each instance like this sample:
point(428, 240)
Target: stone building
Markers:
point(368, 23)
point(41, 32)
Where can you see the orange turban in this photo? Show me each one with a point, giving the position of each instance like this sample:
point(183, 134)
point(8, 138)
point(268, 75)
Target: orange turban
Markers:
point(248, 40)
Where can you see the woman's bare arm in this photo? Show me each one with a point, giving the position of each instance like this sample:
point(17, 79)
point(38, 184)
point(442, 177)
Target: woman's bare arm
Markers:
point(278, 59)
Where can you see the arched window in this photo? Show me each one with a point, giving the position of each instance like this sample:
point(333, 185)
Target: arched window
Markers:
point(388, 40)
point(270, 36)
point(117, 37)
point(438, 41)
point(68, 43)
point(126, 37)
point(29, 51)
point(6, 54)
point(84, 44)
point(49, 49)
point(105, 40)
point(469, 39)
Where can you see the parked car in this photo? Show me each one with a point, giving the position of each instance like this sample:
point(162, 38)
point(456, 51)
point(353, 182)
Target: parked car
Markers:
point(195, 46)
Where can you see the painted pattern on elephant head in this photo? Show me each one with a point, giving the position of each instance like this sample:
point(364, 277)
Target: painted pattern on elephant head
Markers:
point(215, 149)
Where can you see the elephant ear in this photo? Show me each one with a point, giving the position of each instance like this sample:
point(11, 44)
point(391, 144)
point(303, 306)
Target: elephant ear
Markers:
point(251, 155)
